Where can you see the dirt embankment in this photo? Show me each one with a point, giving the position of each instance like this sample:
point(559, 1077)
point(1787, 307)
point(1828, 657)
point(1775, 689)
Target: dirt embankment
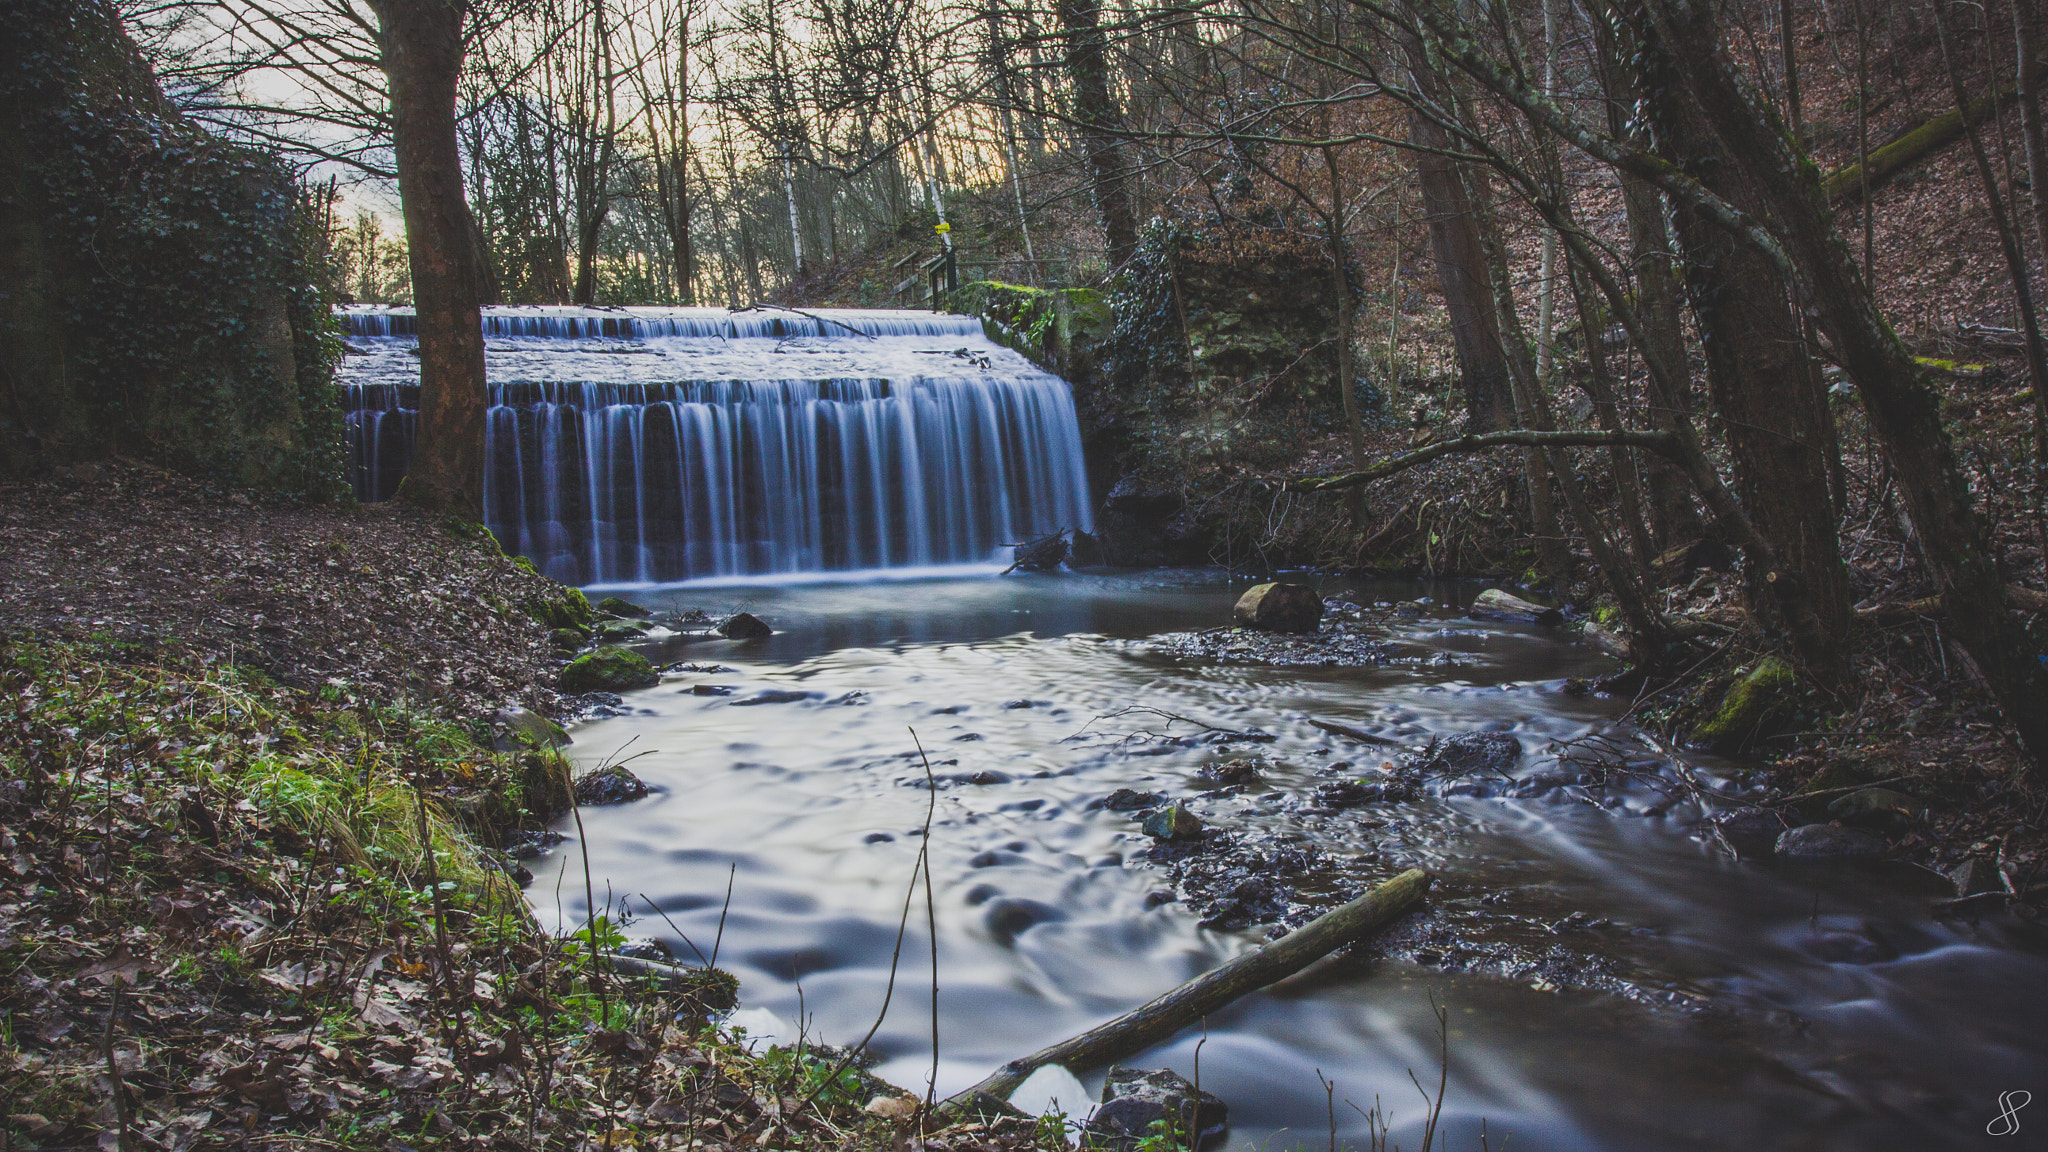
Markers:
point(251, 892)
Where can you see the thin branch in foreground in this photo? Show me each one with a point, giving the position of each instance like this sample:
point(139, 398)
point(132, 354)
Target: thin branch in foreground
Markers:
point(1661, 442)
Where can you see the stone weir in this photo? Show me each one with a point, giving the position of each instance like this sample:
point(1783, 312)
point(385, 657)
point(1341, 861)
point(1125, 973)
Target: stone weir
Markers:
point(644, 445)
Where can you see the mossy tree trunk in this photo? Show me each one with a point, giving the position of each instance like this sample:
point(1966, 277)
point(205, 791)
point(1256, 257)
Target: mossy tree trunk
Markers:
point(1903, 408)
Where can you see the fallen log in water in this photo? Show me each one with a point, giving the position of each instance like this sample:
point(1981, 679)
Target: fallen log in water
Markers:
point(1186, 1005)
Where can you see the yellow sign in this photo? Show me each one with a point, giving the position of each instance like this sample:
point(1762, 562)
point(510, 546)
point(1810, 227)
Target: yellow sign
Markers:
point(943, 228)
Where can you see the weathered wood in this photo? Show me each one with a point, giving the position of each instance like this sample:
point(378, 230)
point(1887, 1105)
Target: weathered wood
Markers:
point(2017, 598)
point(1187, 1004)
point(1935, 133)
point(1495, 603)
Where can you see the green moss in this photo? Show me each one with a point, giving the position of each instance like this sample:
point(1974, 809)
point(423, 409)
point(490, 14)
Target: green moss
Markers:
point(608, 670)
point(1752, 701)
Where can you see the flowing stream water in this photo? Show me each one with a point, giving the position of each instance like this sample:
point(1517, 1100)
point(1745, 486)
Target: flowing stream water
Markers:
point(1693, 1002)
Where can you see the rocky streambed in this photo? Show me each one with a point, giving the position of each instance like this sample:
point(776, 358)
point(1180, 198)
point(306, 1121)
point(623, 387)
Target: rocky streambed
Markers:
point(1123, 794)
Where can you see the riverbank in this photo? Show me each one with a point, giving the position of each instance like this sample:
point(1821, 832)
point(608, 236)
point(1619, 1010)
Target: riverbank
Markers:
point(257, 772)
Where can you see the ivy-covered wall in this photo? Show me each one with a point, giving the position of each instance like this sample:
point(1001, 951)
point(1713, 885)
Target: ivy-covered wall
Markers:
point(159, 288)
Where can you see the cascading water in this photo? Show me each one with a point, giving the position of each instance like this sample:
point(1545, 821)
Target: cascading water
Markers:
point(661, 444)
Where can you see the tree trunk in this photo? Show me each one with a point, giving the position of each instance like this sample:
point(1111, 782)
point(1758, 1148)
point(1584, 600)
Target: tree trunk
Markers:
point(1770, 404)
point(1460, 267)
point(421, 46)
point(1903, 408)
point(1099, 124)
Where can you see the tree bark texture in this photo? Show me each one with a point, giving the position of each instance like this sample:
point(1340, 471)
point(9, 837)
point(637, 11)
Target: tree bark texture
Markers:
point(1100, 121)
point(1461, 268)
point(1904, 409)
point(421, 46)
point(1770, 403)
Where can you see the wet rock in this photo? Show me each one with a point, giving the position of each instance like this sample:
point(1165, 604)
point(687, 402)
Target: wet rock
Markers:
point(608, 670)
point(1172, 823)
point(1975, 876)
point(1280, 607)
point(620, 631)
point(1159, 896)
point(1751, 702)
point(1345, 793)
point(1469, 752)
point(1494, 604)
point(1134, 1099)
point(531, 844)
point(1133, 497)
point(515, 728)
point(612, 785)
point(1752, 829)
point(772, 696)
point(613, 606)
point(1233, 773)
point(1130, 800)
point(878, 838)
point(744, 626)
point(1019, 703)
point(1828, 842)
point(1009, 917)
point(568, 639)
point(712, 689)
point(985, 776)
point(1877, 809)
point(706, 669)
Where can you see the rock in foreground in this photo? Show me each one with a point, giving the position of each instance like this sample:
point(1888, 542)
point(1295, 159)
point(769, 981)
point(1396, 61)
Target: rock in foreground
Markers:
point(1133, 1100)
point(1280, 607)
point(609, 670)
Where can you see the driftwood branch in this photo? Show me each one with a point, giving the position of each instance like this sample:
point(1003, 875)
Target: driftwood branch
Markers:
point(1187, 1004)
point(1350, 733)
point(1660, 442)
point(2017, 598)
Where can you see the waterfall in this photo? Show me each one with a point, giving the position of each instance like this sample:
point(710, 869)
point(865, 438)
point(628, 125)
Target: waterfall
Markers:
point(649, 445)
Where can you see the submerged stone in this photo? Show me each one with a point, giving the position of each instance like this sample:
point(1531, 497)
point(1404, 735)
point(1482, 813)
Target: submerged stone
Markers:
point(608, 670)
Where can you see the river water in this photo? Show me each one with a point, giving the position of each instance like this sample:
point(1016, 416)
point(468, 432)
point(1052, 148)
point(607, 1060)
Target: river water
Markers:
point(1720, 1005)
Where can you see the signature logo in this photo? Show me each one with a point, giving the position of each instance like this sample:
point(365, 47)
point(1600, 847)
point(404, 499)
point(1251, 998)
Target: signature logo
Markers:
point(2007, 1122)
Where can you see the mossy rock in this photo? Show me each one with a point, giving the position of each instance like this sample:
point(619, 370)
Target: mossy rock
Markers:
point(1752, 701)
point(567, 609)
point(568, 639)
point(623, 609)
point(621, 631)
point(609, 670)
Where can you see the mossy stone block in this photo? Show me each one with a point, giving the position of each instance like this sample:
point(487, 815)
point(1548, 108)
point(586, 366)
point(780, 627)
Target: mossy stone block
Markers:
point(609, 670)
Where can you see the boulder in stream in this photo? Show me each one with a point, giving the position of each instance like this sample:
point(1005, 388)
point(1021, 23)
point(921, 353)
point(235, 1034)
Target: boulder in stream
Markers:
point(608, 670)
point(612, 785)
point(621, 631)
point(613, 606)
point(1470, 752)
point(1135, 1099)
point(1280, 607)
point(517, 727)
point(745, 626)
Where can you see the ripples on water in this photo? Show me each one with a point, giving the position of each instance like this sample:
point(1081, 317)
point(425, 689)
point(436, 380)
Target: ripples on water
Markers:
point(1854, 1024)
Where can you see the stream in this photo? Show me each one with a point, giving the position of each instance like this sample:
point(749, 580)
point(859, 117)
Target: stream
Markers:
point(1611, 980)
